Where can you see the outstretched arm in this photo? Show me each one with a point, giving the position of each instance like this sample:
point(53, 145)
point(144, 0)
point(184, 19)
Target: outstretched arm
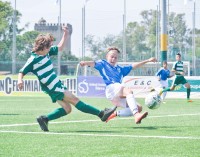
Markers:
point(20, 83)
point(63, 39)
point(137, 65)
point(87, 63)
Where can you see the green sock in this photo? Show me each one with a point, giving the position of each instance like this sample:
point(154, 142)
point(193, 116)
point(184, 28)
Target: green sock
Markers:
point(188, 93)
point(166, 89)
point(57, 113)
point(87, 108)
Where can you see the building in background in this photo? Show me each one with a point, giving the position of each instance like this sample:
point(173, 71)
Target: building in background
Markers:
point(44, 27)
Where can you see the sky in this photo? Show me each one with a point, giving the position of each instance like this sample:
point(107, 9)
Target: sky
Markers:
point(102, 17)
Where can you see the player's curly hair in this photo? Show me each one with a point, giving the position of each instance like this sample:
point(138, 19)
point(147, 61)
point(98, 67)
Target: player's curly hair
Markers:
point(112, 48)
point(41, 42)
point(50, 37)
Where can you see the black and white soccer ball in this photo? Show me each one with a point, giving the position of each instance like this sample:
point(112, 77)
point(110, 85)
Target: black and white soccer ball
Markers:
point(153, 100)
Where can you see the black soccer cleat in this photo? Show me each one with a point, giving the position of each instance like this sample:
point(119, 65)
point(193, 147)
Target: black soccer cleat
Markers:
point(104, 114)
point(43, 122)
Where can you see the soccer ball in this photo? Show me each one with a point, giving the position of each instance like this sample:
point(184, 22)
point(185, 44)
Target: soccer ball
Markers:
point(153, 100)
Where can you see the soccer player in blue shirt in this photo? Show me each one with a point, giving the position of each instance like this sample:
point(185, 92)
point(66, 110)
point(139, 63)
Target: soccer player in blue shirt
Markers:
point(40, 64)
point(112, 74)
point(163, 74)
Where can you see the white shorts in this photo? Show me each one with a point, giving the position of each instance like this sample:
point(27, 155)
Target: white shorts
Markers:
point(112, 93)
point(163, 83)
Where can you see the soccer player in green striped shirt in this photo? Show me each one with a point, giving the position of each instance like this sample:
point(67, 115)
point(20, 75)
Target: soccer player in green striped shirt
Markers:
point(40, 65)
point(179, 77)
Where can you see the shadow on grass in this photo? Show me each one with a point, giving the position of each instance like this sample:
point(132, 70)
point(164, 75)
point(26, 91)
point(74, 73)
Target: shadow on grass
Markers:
point(148, 127)
point(8, 114)
point(97, 131)
point(89, 131)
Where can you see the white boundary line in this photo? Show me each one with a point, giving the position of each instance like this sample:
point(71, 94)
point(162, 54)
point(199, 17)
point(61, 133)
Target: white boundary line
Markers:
point(85, 121)
point(104, 135)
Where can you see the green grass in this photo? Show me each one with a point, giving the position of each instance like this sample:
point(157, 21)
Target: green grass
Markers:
point(173, 130)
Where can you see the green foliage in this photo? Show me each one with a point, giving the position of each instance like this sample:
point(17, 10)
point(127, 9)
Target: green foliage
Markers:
point(141, 38)
point(6, 30)
point(25, 45)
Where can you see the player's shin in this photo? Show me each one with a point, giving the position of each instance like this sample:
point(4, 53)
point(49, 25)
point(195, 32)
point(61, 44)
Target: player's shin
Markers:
point(57, 113)
point(87, 108)
point(132, 103)
point(188, 93)
point(124, 112)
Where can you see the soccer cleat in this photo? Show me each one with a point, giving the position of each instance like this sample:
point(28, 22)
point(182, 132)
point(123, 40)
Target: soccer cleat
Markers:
point(43, 122)
point(139, 117)
point(106, 113)
point(189, 100)
point(113, 115)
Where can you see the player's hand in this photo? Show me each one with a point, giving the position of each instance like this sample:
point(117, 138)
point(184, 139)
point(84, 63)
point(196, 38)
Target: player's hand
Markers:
point(20, 84)
point(152, 59)
point(65, 30)
point(182, 73)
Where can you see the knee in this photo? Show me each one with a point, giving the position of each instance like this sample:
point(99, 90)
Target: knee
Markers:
point(127, 91)
point(172, 88)
point(187, 85)
point(72, 100)
point(68, 109)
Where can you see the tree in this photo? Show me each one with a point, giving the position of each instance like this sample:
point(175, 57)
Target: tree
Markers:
point(179, 35)
point(25, 44)
point(97, 47)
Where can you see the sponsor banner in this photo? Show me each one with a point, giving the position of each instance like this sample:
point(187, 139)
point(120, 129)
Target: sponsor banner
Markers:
point(194, 85)
point(93, 86)
point(140, 83)
point(8, 87)
point(90, 86)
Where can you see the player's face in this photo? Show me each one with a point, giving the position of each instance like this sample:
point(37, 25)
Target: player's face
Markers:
point(165, 65)
point(112, 57)
point(178, 57)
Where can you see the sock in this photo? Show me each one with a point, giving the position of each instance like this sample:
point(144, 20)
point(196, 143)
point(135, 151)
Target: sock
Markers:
point(57, 113)
point(188, 93)
point(87, 108)
point(166, 89)
point(132, 103)
point(124, 113)
point(164, 95)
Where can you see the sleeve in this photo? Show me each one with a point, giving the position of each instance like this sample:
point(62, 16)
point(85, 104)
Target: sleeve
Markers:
point(53, 50)
point(174, 66)
point(126, 70)
point(159, 72)
point(28, 67)
point(98, 64)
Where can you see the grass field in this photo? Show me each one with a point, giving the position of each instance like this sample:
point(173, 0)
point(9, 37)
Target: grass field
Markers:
point(173, 130)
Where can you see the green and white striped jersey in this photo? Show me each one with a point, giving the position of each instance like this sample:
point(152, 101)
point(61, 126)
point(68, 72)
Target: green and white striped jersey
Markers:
point(42, 67)
point(178, 66)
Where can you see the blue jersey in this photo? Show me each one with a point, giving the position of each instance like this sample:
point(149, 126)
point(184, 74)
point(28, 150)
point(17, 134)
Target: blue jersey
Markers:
point(112, 74)
point(163, 74)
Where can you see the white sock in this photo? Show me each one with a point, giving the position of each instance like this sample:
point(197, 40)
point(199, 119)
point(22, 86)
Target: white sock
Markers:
point(124, 112)
point(132, 103)
point(164, 95)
